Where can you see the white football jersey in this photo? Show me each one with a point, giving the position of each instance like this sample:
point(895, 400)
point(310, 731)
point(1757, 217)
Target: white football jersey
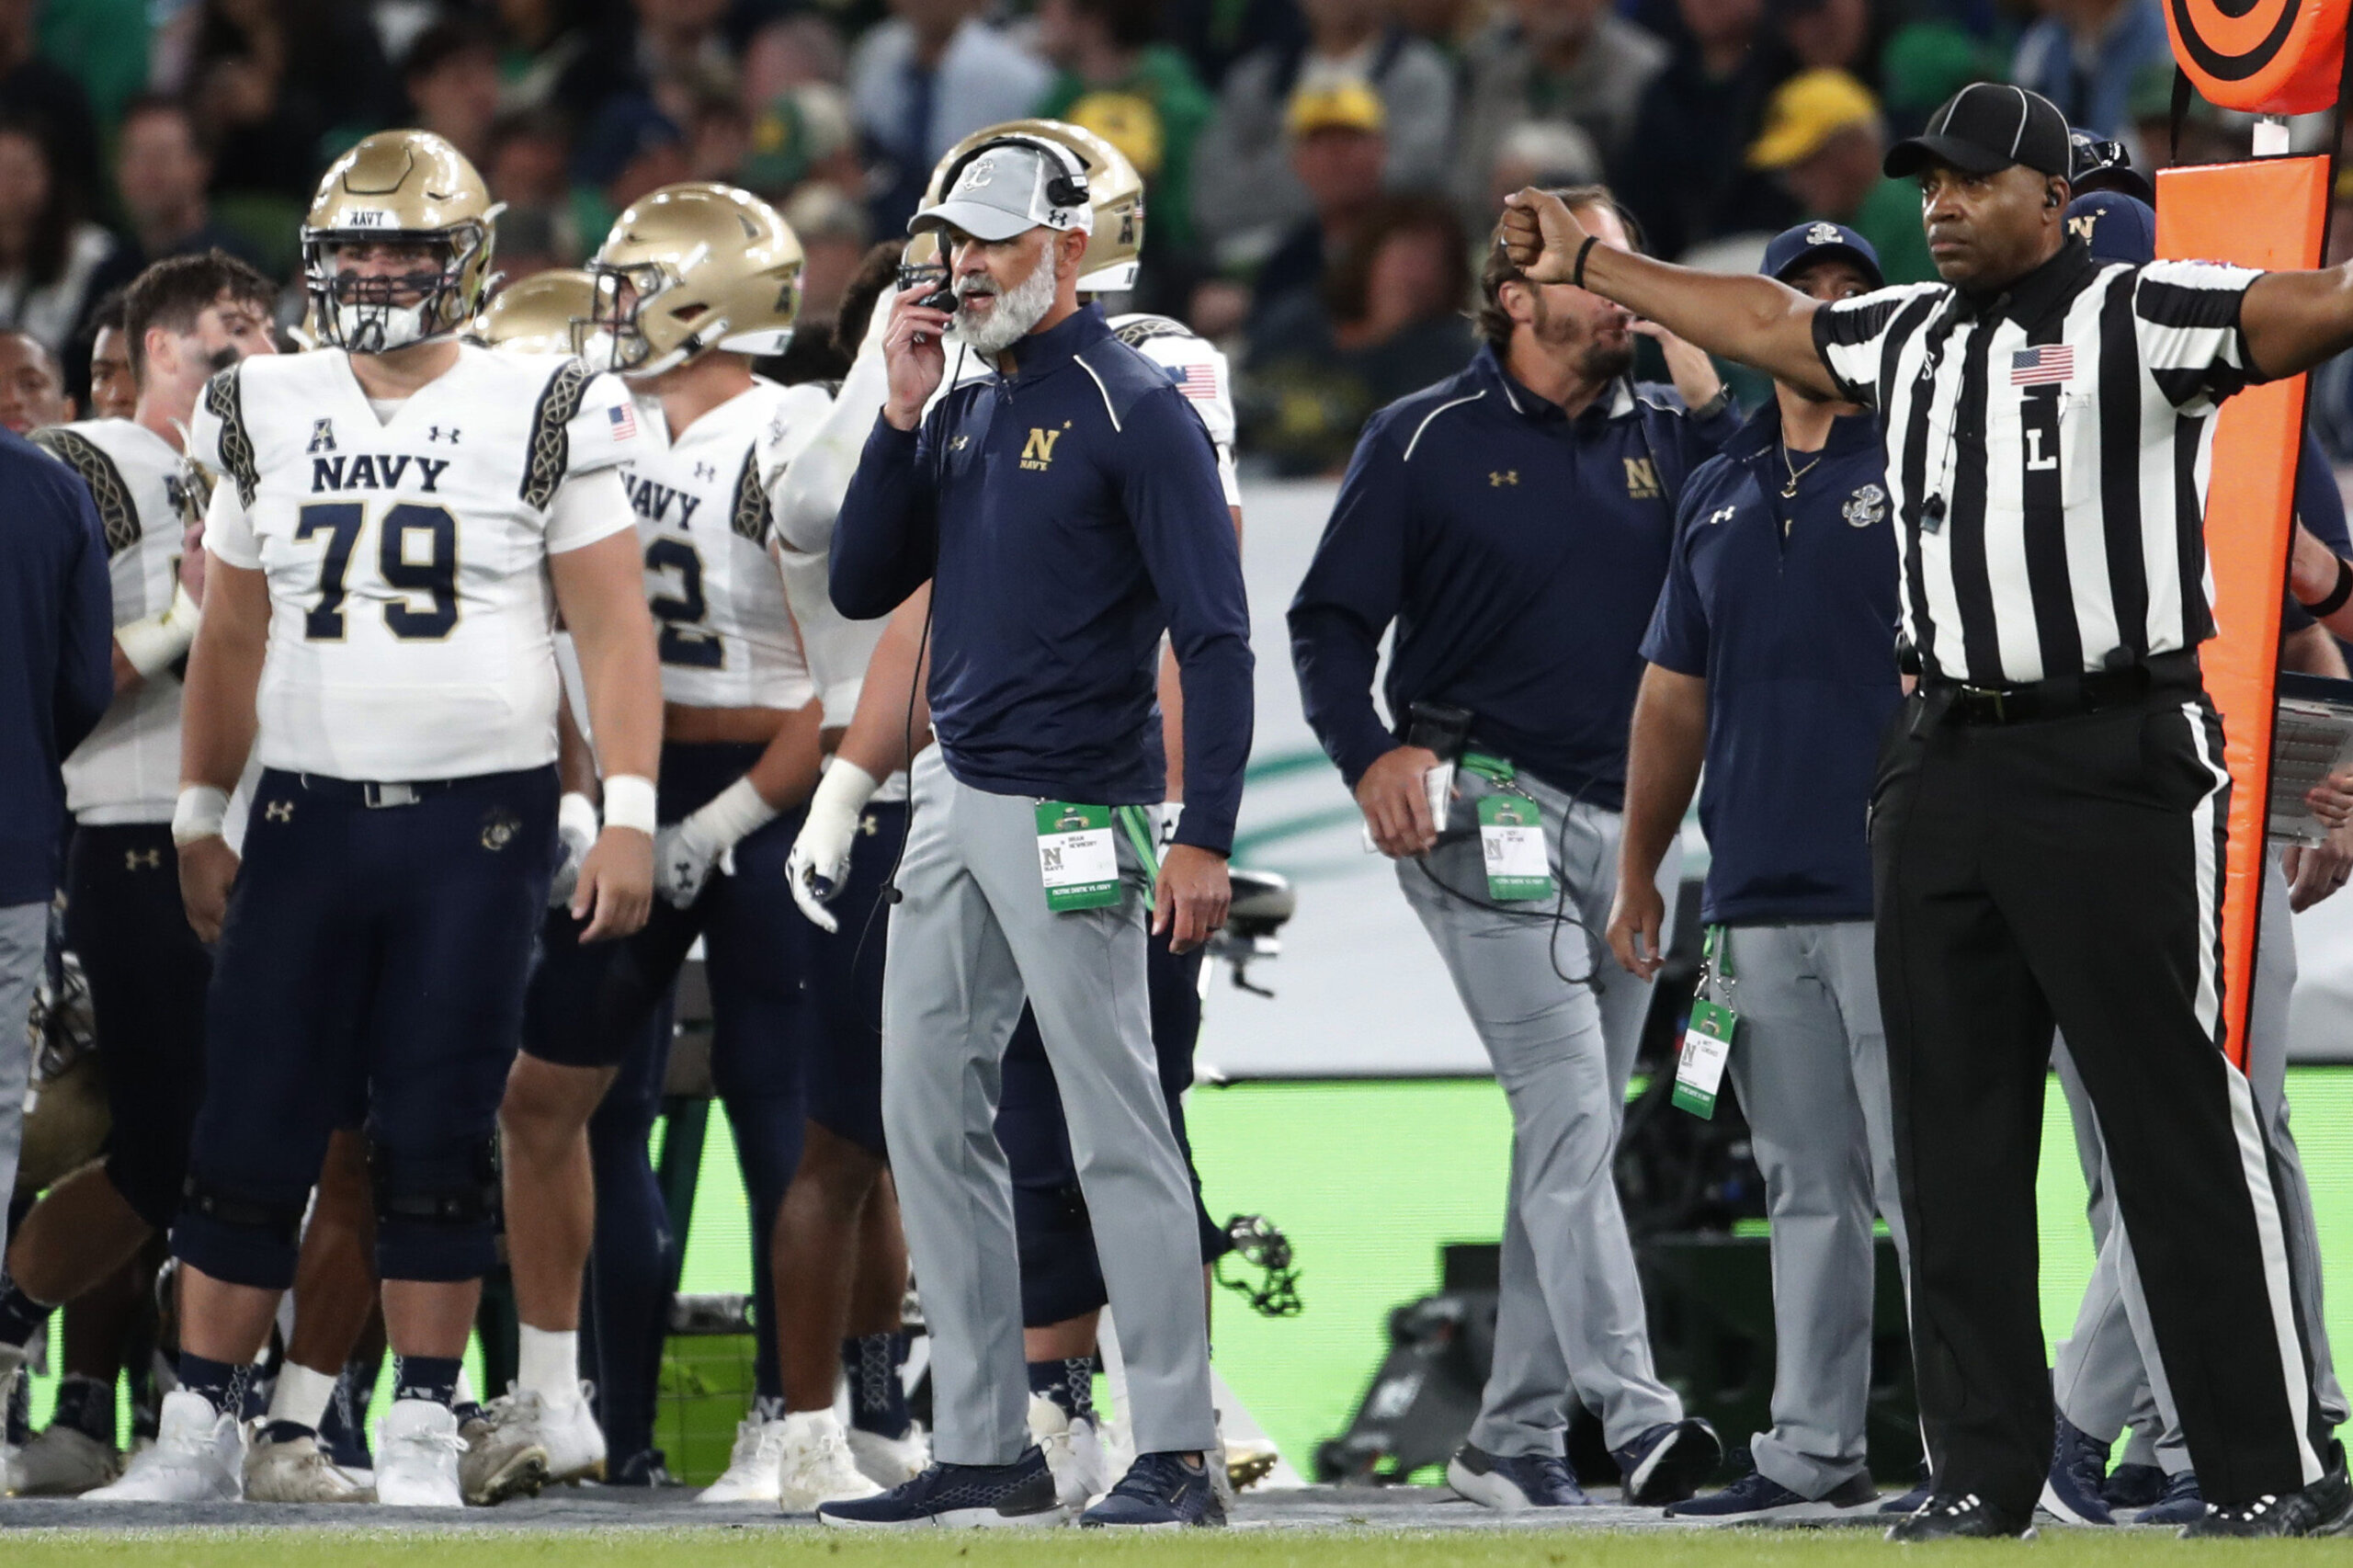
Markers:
point(726, 639)
point(1198, 368)
point(129, 769)
point(412, 620)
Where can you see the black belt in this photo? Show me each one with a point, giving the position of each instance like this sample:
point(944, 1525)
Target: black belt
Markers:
point(2063, 697)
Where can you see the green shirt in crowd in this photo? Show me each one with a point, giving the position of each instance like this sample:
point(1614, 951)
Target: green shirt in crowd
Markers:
point(1154, 114)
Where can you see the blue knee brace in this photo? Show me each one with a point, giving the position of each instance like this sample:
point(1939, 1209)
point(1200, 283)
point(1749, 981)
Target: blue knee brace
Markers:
point(237, 1237)
point(435, 1211)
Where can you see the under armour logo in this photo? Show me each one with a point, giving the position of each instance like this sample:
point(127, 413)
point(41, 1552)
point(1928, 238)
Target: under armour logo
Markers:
point(322, 435)
point(278, 810)
point(868, 825)
point(1497, 481)
point(433, 433)
point(136, 859)
point(1721, 514)
point(705, 471)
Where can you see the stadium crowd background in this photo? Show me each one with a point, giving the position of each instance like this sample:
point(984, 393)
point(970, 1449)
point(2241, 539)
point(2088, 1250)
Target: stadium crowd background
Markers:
point(1320, 172)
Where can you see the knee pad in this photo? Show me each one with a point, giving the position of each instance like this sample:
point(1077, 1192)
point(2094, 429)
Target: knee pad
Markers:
point(235, 1236)
point(437, 1210)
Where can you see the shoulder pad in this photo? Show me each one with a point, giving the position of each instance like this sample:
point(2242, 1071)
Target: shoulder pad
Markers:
point(98, 469)
point(224, 401)
point(1138, 330)
point(549, 450)
point(1121, 375)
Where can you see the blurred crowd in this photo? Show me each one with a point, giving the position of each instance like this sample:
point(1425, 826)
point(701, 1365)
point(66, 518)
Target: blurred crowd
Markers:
point(1321, 172)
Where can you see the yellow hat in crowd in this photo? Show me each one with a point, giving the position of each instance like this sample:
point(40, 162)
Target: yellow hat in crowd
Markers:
point(1335, 105)
point(1806, 112)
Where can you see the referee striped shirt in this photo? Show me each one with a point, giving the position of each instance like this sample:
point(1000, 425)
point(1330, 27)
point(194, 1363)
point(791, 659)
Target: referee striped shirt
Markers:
point(2047, 450)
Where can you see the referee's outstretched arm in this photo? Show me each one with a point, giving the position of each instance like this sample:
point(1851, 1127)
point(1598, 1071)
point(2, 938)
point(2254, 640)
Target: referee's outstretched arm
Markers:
point(1759, 321)
point(2293, 321)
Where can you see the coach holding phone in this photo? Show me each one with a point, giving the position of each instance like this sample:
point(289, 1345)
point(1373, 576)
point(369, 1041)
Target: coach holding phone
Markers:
point(2048, 820)
point(1067, 512)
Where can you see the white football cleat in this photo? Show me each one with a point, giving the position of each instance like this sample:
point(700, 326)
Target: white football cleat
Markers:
point(817, 1464)
point(63, 1461)
point(570, 1446)
point(1074, 1453)
point(754, 1468)
point(417, 1451)
point(891, 1462)
point(297, 1471)
point(199, 1457)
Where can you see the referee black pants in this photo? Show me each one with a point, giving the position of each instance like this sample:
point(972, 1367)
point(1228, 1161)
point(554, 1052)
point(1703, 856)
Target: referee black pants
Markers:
point(2067, 872)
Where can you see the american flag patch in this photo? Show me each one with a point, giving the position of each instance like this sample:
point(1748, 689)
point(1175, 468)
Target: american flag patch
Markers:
point(1194, 380)
point(2039, 367)
point(624, 420)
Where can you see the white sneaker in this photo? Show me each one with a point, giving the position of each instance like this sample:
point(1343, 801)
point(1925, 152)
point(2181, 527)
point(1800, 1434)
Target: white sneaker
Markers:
point(297, 1471)
point(753, 1468)
point(1073, 1451)
point(63, 1461)
point(817, 1465)
point(417, 1451)
point(891, 1462)
point(199, 1457)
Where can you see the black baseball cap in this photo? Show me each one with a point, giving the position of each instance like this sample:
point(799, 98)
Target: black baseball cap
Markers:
point(1985, 127)
point(2105, 166)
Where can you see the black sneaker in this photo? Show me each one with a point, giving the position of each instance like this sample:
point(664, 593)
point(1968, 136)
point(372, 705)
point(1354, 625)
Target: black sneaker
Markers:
point(1961, 1515)
point(2179, 1503)
point(2134, 1486)
point(1159, 1492)
point(2324, 1507)
point(986, 1495)
point(1510, 1483)
point(1754, 1496)
point(1667, 1463)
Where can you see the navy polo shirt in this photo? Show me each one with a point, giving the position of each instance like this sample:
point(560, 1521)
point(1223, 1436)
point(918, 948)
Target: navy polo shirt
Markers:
point(1787, 610)
point(1071, 513)
point(1519, 551)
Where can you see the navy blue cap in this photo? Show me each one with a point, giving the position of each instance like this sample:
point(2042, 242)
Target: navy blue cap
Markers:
point(2105, 166)
point(2116, 226)
point(1792, 250)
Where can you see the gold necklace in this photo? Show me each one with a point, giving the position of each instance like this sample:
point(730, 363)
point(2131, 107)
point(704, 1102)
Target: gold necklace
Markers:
point(1790, 491)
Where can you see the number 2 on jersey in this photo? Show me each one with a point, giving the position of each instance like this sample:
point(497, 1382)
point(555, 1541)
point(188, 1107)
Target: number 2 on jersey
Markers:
point(408, 529)
point(685, 639)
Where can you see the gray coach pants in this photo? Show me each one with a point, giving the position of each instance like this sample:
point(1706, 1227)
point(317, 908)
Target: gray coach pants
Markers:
point(968, 940)
point(2109, 1375)
point(1571, 1316)
point(1809, 1062)
point(24, 948)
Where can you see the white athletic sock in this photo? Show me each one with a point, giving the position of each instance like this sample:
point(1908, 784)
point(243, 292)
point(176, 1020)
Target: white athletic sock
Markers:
point(301, 1396)
point(547, 1364)
point(465, 1392)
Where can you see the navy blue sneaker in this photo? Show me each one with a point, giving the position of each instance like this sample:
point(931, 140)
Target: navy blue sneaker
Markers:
point(2134, 1486)
point(1511, 1484)
point(1667, 1463)
point(1159, 1492)
point(2078, 1471)
point(1754, 1496)
point(645, 1468)
point(1910, 1502)
point(986, 1495)
point(2181, 1503)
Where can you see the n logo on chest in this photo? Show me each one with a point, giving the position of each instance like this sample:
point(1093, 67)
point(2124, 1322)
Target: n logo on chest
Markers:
point(1641, 480)
point(375, 471)
point(1037, 451)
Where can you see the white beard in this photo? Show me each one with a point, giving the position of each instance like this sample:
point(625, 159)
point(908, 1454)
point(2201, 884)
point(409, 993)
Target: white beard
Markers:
point(1018, 310)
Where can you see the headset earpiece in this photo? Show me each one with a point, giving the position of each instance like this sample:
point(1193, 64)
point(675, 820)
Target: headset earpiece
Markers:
point(2050, 195)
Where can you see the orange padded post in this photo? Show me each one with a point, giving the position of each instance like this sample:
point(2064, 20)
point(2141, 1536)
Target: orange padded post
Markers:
point(2268, 213)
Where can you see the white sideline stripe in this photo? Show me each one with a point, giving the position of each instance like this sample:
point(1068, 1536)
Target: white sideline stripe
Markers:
point(2254, 1164)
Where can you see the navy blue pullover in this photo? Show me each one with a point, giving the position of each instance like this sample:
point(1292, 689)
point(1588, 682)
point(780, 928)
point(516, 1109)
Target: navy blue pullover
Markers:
point(1787, 610)
point(1518, 551)
point(56, 656)
point(1070, 513)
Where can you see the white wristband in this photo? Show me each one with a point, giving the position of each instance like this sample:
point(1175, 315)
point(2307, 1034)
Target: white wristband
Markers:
point(199, 814)
point(734, 815)
point(150, 645)
point(576, 816)
point(630, 802)
point(842, 791)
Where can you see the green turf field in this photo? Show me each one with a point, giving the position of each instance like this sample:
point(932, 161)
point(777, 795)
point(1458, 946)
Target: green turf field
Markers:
point(754, 1548)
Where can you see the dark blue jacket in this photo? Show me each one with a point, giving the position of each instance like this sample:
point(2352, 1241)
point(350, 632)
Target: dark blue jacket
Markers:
point(56, 656)
point(1518, 551)
point(1787, 610)
point(1071, 513)
point(2321, 508)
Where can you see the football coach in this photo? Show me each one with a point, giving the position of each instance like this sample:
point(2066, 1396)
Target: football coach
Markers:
point(2048, 816)
point(1068, 511)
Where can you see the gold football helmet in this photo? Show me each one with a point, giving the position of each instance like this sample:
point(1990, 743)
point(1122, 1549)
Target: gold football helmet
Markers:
point(692, 267)
point(540, 314)
point(1114, 189)
point(403, 187)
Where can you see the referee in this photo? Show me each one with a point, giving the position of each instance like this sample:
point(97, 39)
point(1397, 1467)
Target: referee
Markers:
point(2049, 814)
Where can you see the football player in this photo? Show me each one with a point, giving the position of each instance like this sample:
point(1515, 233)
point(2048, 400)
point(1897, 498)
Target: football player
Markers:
point(114, 392)
point(1063, 1291)
point(399, 519)
point(693, 283)
point(187, 318)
